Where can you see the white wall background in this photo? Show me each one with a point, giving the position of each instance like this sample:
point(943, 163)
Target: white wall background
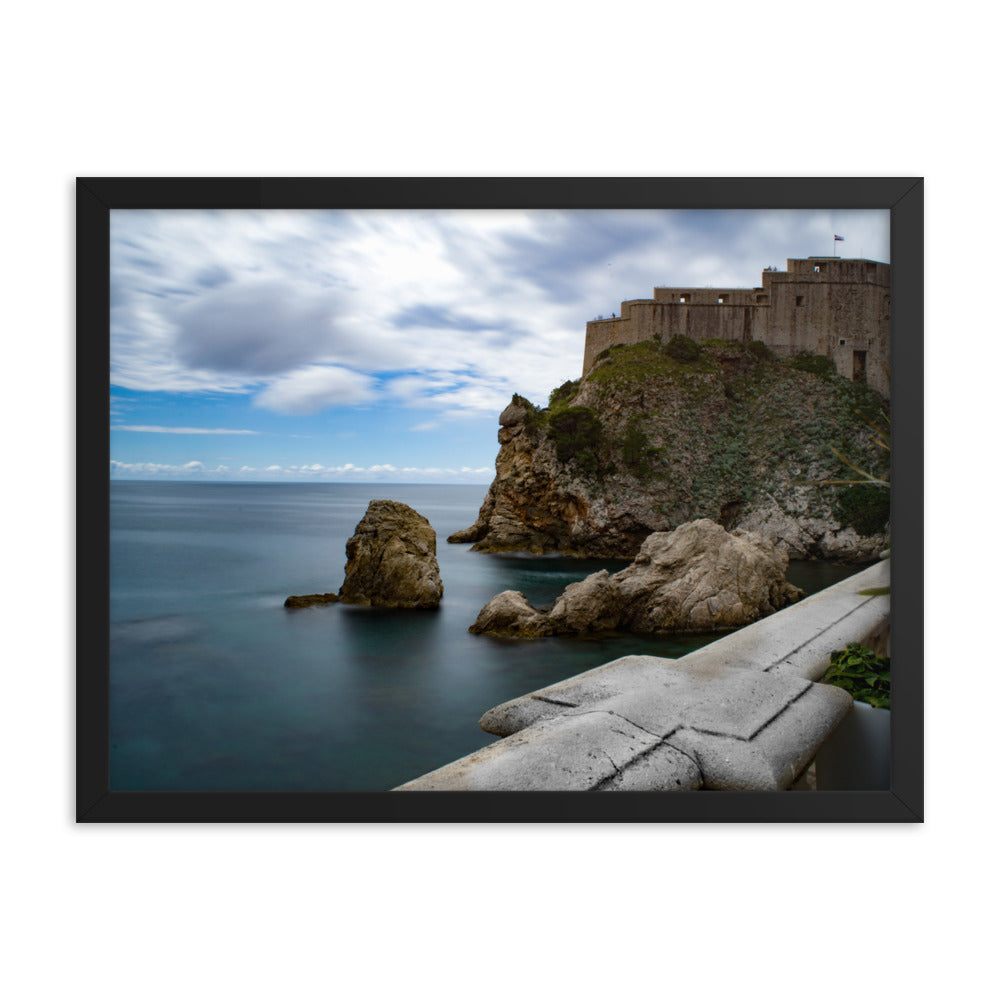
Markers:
point(518, 89)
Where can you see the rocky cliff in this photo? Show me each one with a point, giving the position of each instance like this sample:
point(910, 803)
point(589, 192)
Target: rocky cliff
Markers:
point(659, 435)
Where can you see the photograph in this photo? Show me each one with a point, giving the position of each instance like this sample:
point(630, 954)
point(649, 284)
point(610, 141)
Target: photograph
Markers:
point(499, 500)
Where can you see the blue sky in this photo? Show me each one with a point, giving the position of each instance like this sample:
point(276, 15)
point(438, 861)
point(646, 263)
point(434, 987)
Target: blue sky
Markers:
point(373, 346)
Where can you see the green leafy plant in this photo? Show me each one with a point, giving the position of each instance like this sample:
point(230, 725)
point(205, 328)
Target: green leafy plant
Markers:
point(564, 394)
point(576, 432)
point(814, 364)
point(637, 451)
point(862, 673)
point(760, 350)
point(863, 506)
point(682, 348)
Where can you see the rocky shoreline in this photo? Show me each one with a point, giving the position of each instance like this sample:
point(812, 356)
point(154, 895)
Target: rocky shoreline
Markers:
point(697, 578)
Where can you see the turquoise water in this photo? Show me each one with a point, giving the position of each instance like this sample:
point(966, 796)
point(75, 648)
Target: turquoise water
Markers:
point(216, 686)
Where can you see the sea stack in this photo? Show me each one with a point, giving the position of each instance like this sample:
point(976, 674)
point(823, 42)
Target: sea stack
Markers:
point(392, 559)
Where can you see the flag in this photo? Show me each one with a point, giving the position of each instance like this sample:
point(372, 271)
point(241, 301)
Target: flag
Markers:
point(841, 238)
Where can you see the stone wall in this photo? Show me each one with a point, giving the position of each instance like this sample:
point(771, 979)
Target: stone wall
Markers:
point(823, 305)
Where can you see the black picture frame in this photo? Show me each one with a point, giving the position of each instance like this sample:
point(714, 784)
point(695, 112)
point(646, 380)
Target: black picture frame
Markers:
point(96, 197)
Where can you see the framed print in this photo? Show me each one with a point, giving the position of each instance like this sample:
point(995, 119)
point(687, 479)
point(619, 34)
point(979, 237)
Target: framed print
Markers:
point(482, 499)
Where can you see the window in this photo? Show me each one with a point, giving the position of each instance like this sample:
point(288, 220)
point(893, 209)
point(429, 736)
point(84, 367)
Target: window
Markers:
point(723, 299)
point(843, 343)
point(685, 297)
point(798, 300)
point(816, 269)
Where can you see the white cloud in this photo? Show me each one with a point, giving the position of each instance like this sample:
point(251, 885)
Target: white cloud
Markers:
point(315, 472)
point(466, 306)
point(312, 389)
point(152, 429)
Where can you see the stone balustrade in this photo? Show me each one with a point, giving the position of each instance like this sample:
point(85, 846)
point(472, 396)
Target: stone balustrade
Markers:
point(742, 713)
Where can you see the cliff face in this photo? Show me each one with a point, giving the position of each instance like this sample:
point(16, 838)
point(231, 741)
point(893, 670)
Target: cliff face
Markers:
point(648, 441)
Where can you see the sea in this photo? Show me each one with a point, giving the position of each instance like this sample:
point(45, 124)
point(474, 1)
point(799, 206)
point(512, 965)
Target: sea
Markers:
point(215, 686)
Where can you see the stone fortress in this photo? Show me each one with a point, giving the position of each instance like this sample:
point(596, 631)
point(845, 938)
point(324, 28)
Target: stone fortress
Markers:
point(836, 306)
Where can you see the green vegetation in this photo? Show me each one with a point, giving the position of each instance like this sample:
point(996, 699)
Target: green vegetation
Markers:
point(682, 348)
point(576, 432)
point(760, 350)
point(610, 351)
point(864, 507)
point(814, 364)
point(737, 422)
point(564, 394)
point(637, 450)
point(863, 674)
point(534, 418)
point(637, 364)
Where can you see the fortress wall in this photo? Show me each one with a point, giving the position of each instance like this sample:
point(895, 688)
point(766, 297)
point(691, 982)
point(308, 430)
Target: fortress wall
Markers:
point(815, 316)
point(707, 296)
point(812, 306)
point(721, 322)
point(835, 269)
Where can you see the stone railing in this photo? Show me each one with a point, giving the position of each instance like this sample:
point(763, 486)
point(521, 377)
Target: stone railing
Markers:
point(742, 713)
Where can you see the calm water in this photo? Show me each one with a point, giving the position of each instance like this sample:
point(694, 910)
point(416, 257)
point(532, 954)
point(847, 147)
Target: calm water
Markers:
point(215, 686)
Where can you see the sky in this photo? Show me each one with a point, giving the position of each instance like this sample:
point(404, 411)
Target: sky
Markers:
point(381, 346)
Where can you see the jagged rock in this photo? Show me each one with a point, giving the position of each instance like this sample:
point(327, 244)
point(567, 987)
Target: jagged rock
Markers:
point(510, 613)
point(697, 578)
point(391, 559)
point(805, 537)
point(310, 600)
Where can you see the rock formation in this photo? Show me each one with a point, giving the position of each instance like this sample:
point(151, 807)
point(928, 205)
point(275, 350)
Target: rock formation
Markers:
point(391, 559)
point(647, 442)
point(697, 578)
point(310, 600)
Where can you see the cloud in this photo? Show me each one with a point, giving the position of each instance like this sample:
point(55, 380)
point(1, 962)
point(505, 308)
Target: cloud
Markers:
point(315, 472)
point(316, 388)
point(178, 430)
point(437, 317)
point(255, 328)
point(469, 306)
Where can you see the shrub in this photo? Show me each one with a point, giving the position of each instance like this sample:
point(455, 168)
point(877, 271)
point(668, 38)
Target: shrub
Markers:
point(863, 674)
point(814, 364)
point(576, 432)
point(864, 507)
point(682, 348)
point(636, 449)
point(564, 393)
point(760, 350)
point(634, 445)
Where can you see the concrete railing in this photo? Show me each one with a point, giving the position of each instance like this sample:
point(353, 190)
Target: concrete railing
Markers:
point(742, 713)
